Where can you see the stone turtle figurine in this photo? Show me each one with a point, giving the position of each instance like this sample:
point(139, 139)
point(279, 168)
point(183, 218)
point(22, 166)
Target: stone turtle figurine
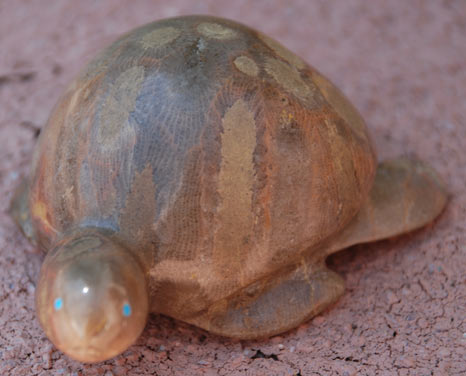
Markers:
point(198, 169)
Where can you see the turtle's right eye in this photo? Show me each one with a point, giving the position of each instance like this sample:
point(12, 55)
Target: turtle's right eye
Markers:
point(58, 304)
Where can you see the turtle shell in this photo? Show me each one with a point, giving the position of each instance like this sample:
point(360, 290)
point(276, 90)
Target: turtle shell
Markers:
point(213, 153)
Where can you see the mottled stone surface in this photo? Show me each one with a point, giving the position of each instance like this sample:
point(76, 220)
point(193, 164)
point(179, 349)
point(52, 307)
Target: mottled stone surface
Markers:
point(401, 63)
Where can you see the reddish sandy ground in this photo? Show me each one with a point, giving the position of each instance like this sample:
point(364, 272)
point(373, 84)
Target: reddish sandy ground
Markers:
point(403, 64)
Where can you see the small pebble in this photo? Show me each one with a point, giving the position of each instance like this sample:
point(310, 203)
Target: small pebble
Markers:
point(391, 298)
point(47, 360)
point(443, 352)
point(277, 339)
point(120, 361)
point(235, 362)
point(405, 291)
point(410, 317)
point(407, 361)
point(13, 175)
point(280, 346)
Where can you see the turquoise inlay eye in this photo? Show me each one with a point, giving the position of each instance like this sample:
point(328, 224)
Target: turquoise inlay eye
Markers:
point(58, 304)
point(126, 310)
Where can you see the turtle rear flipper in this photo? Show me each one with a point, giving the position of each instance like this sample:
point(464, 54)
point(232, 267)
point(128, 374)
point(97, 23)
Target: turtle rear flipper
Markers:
point(19, 211)
point(407, 194)
point(275, 305)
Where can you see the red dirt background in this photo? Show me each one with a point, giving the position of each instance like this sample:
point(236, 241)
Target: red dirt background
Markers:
point(402, 63)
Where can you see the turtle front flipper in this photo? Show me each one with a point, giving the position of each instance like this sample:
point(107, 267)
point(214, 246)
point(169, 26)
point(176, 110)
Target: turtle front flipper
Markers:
point(407, 194)
point(273, 305)
point(19, 210)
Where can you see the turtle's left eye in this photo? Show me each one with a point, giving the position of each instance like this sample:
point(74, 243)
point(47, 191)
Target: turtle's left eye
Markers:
point(126, 310)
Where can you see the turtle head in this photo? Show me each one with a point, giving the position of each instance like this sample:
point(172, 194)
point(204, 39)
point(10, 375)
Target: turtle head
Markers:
point(91, 298)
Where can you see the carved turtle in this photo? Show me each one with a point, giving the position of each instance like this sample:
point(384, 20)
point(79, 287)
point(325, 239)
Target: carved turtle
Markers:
point(198, 169)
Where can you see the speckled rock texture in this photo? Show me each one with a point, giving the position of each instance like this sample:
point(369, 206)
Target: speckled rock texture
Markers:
point(402, 63)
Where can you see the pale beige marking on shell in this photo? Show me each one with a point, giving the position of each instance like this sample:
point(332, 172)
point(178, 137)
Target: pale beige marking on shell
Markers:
point(72, 86)
point(288, 78)
point(235, 219)
point(119, 103)
point(340, 104)
point(74, 100)
point(283, 52)
point(337, 144)
point(160, 37)
point(246, 65)
point(216, 31)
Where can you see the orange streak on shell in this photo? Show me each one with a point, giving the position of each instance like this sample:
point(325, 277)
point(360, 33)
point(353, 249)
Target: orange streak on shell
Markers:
point(39, 212)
